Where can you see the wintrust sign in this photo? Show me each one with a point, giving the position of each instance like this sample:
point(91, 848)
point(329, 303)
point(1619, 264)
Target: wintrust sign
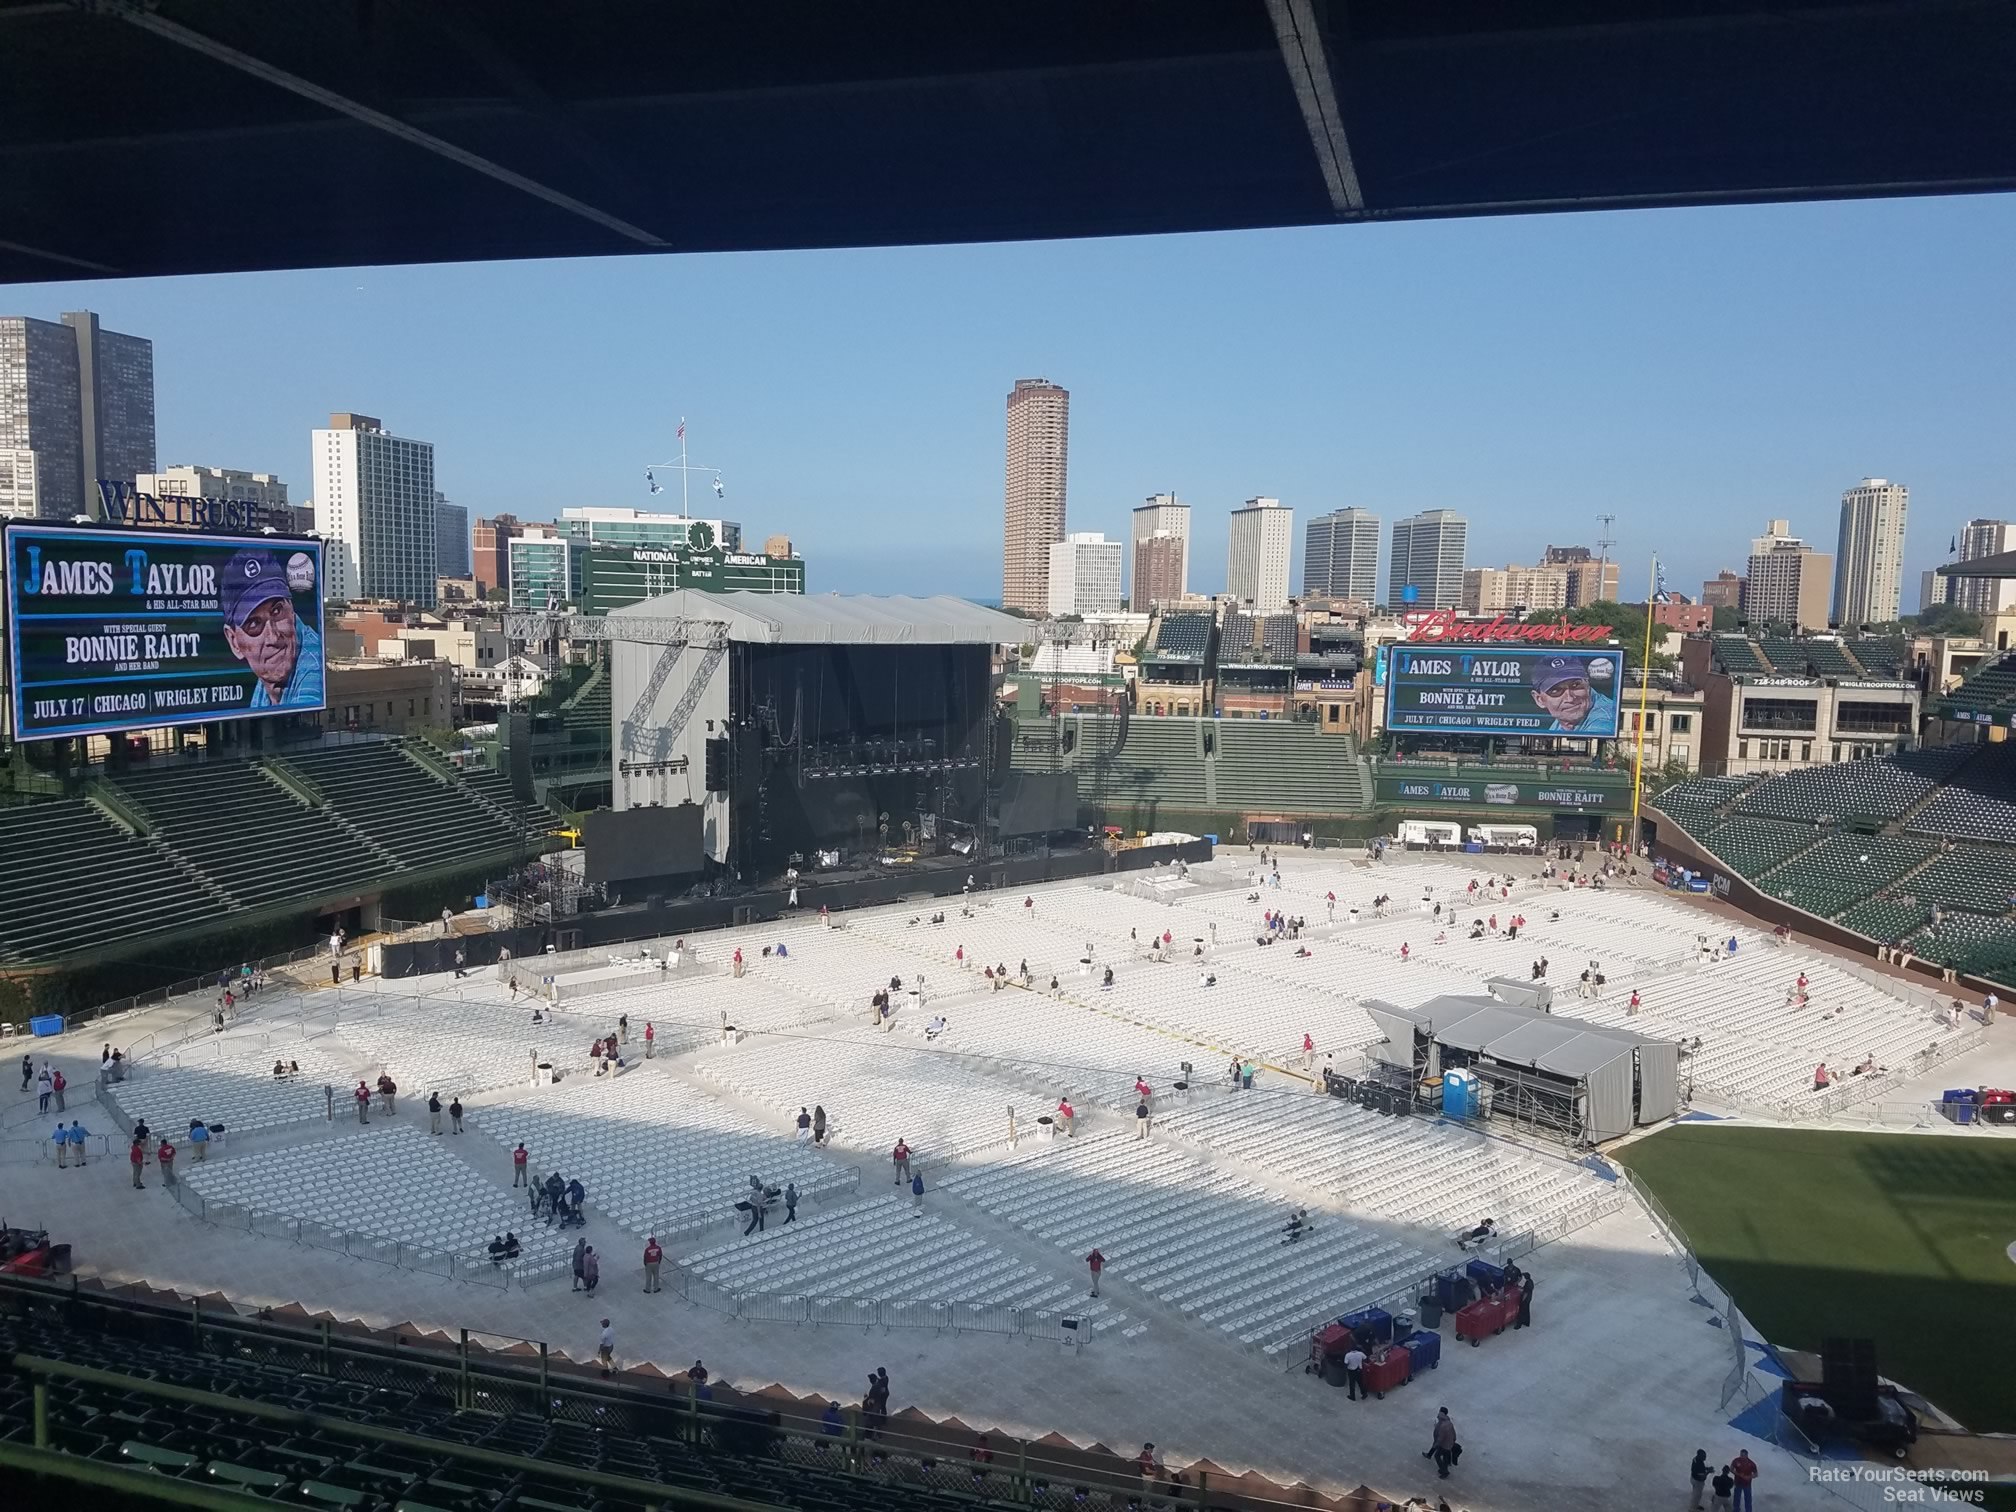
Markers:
point(1443, 625)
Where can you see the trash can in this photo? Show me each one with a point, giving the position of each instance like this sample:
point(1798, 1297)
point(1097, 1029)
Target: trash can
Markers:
point(1431, 1311)
point(1403, 1323)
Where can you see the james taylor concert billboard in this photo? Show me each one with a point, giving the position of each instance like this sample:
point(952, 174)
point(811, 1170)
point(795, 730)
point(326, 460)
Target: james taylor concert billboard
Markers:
point(112, 629)
point(1463, 690)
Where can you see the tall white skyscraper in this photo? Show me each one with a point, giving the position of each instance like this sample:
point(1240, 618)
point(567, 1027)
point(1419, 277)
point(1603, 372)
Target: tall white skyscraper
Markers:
point(1257, 550)
point(374, 506)
point(1085, 574)
point(1340, 556)
point(1160, 552)
point(1787, 580)
point(1427, 556)
point(1980, 538)
point(76, 405)
point(1869, 559)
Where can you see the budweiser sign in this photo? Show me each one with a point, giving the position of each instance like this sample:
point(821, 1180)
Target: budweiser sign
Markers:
point(1442, 625)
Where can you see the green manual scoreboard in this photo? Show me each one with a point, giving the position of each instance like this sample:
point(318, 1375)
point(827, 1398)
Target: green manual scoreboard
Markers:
point(614, 577)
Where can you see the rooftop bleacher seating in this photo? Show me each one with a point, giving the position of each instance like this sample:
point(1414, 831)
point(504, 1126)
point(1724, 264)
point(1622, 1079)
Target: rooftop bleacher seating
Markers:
point(1183, 636)
point(1828, 659)
point(1737, 654)
point(1883, 656)
point(99, 885)
point(252, 836)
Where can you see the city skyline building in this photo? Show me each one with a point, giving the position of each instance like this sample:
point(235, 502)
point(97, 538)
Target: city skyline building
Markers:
point(1160, 555)
point(1591, 578)
point(491, 553)
point(1340, 556)
point(1427, 556)
point(1259, 546)
point(1869, 555)
point(1788, 580)
point(188, 481)
point(451, 538)
point(546, 568)
point(1502, 590)
point(76, 405)
point(374, 505)
point(1085, 570)
point(643, 527)
point(1723, 591)
point(1034, 511)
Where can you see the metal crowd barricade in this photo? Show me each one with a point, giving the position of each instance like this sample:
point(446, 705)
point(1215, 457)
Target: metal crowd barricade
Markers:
point(842, 1312)
point(763, 1307)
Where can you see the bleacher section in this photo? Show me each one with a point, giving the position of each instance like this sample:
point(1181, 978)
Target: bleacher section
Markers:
point(1162, 761)
point(1737, 654)
point(98, 886)
point(1887, 656)
point(1884, 886)
point(402, 808)
point(1262, 764)
point(271, 849)
point(1881, 789)
point(1977, 803)
point(224, 836)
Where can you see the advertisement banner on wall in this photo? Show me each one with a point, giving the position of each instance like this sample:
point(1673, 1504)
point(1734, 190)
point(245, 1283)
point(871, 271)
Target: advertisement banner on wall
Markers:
point(112, 630)
point(1453, 690)
point(1395, 791)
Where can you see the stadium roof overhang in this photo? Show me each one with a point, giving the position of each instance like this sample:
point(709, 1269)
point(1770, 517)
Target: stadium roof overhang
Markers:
point(149, 137)
point(831, 618)
point(2000, 565)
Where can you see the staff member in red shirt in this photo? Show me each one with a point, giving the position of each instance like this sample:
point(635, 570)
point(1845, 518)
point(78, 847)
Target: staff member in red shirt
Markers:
point(1097, 1263)
point(139, 1159)
point(165, 1157)
point(518, 1157)
point(653, 1255)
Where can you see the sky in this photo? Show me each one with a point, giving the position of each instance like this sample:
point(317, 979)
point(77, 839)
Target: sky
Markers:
point(1693, 372)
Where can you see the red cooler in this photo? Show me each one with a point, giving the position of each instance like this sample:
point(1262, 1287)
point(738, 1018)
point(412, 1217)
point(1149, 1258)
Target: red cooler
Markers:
point(1384, 1374)
point(1479, 1319)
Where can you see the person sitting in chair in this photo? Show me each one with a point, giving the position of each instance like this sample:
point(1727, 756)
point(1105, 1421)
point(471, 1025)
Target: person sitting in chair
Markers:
point(1298, 1224)
point(935, 1028)
point(1479, 1236)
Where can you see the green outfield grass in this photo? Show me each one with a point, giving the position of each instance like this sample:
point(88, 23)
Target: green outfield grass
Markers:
point(1902, 1238)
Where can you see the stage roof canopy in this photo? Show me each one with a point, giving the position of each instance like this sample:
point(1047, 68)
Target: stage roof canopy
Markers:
point(1520, 1036)
point(838, 619)
point(333, 133)
point(2001, 565)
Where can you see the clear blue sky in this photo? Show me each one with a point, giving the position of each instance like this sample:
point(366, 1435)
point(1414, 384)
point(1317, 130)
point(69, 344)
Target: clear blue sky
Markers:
point(1695, 372)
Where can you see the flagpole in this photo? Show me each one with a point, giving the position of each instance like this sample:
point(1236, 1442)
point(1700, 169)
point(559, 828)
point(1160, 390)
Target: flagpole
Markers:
point(1644, 696)
point(685, 503)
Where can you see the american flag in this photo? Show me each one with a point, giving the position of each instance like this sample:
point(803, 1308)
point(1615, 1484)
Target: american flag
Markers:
point(682, 427)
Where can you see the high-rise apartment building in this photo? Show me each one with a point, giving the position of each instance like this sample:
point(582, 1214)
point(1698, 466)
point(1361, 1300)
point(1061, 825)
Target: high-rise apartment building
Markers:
point(1427, 556)
point(76, 405)
point(492, 565)
point(1257, 552)
point(1502, 590)
point(374, 504)
point(264, 492)
point(1980, 538)
point(1161, 553)
point(1869, 559)
point(451, 538)
point(1723, 591)
point(1787, 582)
point(1085, 572)
point(1039, 454)
point(546, 568)
point(1340, 556)
point(1591, 579)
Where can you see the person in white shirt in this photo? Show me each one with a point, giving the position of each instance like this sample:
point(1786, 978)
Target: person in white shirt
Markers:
point(1354, 1374)
point(605, 1348)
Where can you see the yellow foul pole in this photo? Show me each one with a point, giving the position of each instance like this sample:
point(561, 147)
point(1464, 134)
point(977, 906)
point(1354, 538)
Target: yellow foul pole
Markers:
point(1644, 695)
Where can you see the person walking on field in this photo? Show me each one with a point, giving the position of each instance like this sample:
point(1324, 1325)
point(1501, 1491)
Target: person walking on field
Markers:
point(900, 1156)
point(138, 1155)
point(605, 1349)
point(650, 1038)
point(363, 1096)
point(591, 1270)
point(455, 1113)
point(518, 1158)
point(165, 1158)
point(917, 1193)
point(1445, 1450)
point(1095, 1262)
point(1697, 1477)
point(1742, 1470)
point(580, 1260)
point(1525, 1300)
point(433, 1112)
point(1720, 1488)
point(1354, 1374)
point(653, 1257)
